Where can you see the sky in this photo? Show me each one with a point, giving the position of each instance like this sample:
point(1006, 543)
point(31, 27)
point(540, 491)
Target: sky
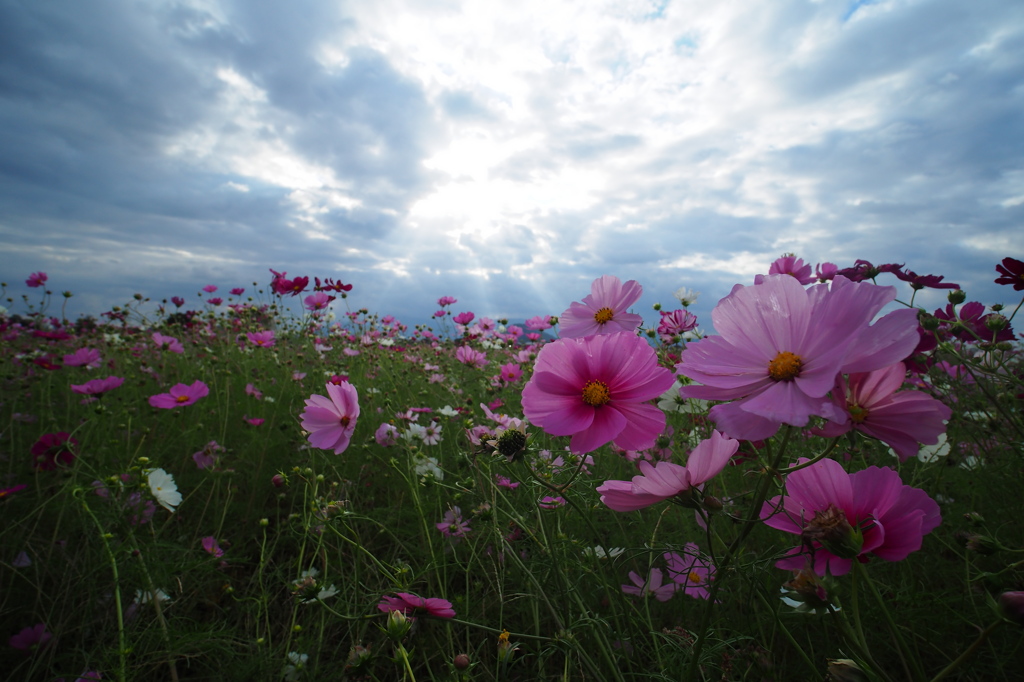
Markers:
point(504, 153)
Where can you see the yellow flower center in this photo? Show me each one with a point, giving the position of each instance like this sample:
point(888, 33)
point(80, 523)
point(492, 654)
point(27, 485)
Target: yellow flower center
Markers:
point(604, 315)
point(785, 367)
point(693, 577)
point(595, 393)
point(857, 413)
point(182, 399)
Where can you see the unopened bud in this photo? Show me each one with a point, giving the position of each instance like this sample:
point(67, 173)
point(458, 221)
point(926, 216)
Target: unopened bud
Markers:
point(928, 322)
point(956, 297)
point(1011, 606)
point(398, 626)
point(995, 322)
point(845, 670)
point(461, 662)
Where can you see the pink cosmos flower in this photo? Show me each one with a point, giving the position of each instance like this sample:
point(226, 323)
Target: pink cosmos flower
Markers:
point(471, 357)
point(211, 546)
point(97, 386)
point(463, 318)
point(331, 421)
point(210, 288)
point(317, 301)
point(781, 347)
point(168, 343)
point(412, 605)
point(180, 395)
point(874, 407)
point(453, 525)
point(604, 310)
point(31, 638)
point(505, 482)
point(1011, 271)
point(666, 480)
point(690, 572)
point(237, 291)
point(445, 301)
point(653, 585)
point(251, 389)
point(596, 389)
point(253, 421)
point(675, 323)
point(53, 450)
point(264, 339)
point(841, 516)
point(178, 301)
point(208, 456)
point(88, 357)
point(386, 435)
point(511, 373)
point(215, 301)
point(538, 323)
point(792, 266)
point(825, 272)
point(36, 279)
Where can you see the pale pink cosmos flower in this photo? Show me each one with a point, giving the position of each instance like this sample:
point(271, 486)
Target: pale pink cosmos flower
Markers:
point(250, 389)
point(666, 480)
point(180, 395)
point(511, 373)
point(264, 339)
point(331, 421)
point(792, 266)
point(841, 516)
point(97, 386)
point(471, 357)
point(604, 310)
point(653, 585)
point(415, 606)
point(87, 357)
point(597, 389)
point(168, 343)
point(690, 572)
point(318, 301)
point(781, 347)
point(210, 288)
point(876, 407)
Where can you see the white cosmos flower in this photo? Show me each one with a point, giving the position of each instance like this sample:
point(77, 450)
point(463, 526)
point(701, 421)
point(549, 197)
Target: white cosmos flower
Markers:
point(931, 453)
point(687, 297)
point(164, 489)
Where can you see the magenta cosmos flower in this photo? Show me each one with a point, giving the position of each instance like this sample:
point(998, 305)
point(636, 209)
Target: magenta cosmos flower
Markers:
point(595, 389)
point(180, 395)
point(666, 480)
point(690, 572)
point(331, 421)
point(97, 386)
point(841, 516)
point(1011, 271)
point(36, 279)
point(53, 450)
point(87, 357)
point(653, 585)
point(604, 310)
point(901, 419)
point(412, 605)
point(781, 347)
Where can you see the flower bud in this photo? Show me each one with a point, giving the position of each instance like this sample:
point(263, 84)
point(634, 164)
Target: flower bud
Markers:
point(279, 480)
point(956, 297)
point(461, 662)
point(845, 670)
point(398, 626)
point(996, 322)
point(1011, 606)
point(928, 322)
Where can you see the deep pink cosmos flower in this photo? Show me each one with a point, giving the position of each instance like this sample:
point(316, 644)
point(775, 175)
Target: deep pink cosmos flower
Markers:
point(446, 301)
point(36, 279)
point(210, 288)
point(921, 281)
point(178, 301)
point(841, 516)
point(653, 585)
point(412, 605)
point(511, 373)
point(87, 357)
point(31, 638)
point(53, 450)
point(463, 318)
point(826, 271)
point(596, 389)
point(180, 395)
point(665, 480)
point(237, 291)
point(675, 323)
point(792, 266)
point(874, 407)
point(781, 347)
point(1011, 271)
point(453, 525)
point(215, 301)
point(263, 339)
point(604, 310)
point(97, 386)
point(690, 572)
point(168, 343)
point(863, 270)
point(331, 421)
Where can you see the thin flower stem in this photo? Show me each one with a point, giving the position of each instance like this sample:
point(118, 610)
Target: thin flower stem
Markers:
point(901, 645)
point(404, 655)
point(968, 652)
point(814, 460)
point(122, 647)
point(753, 518)
point(789, 635)
point(857, 643)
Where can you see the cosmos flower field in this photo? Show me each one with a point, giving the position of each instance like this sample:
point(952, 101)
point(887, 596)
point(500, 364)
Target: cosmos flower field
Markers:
point(266, 482)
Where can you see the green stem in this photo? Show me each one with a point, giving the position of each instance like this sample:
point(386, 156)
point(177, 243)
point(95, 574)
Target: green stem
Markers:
point(968, 652)
point(901, 645)
point(122, 649)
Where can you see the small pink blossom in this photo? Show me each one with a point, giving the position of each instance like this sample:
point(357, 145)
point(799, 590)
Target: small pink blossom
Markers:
point(471, 357)
point(31, 638)
point(36, 279)
point(463, 318)
point(251, 390)
point(415, 606)
point(87, 357)
point(237, 291)
point(453, 525)
point(53, 450)
point(386, 435)
point(210, 288)
point(317, 301)
point(208, 456)
point(604, 311)
point(446, 301)
point(690, 572)
point(331, 421)
point(264, 339)
point(168, 343)
point(97, 386)
point(792, 266)
point(253, 421)
point(180, 395)
point(505, 482)
point(653, 585)
point(211, 547)
point(511, 373)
